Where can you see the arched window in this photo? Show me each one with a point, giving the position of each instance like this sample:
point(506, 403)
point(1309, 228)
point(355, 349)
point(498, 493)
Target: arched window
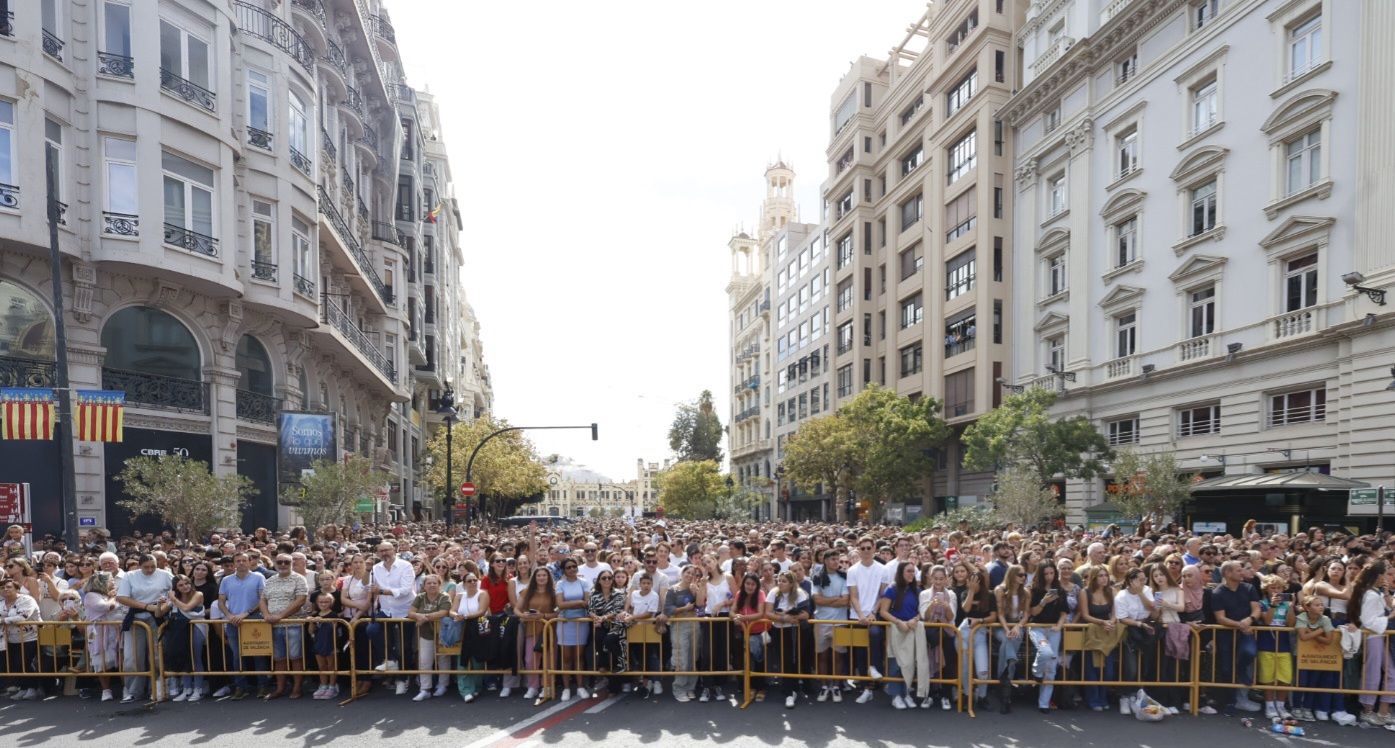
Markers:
point(254, 366)
point(26, 326)
point(149, 341)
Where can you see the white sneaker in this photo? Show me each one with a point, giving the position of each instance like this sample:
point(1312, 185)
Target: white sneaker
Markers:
point(865, 697)
point(1270, 711)
point(531, 693)
point(945, 704)
point(127, 698)
point(422, 696)
point(107, 695)
point(789, 701)
point(837, 694)
point(566, 695)
point(504, 692)
point(898, 702)
point(440, 690)
point(823, 695)
point(181, 696)
point(705, 696)
point(657, 688)
point(927, 703)
point(582, 693)
point(386, 666)
point(1124, 706)
point(1345, 719)
point(873, 672)
point(1207, 709)
point(1174, 711)
point(220, 693)
point(402, 687)
point(1320, 716)
point(1245, 704)
point(1283, 712)
point(681, 697)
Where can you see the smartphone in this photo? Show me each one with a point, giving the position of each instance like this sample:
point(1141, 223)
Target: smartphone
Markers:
point(532, 611)
point(1286, 597)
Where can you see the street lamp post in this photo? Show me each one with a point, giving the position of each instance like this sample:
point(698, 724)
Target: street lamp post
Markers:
point(470, 464)
point(779, 481)
point(731, 484)
point(446, 407)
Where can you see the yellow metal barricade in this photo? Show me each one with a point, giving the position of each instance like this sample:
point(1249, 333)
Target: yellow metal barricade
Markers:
point(376, 640)
point(62, 651)
point(700, 649)
point(204, 648)
point(1297, 667)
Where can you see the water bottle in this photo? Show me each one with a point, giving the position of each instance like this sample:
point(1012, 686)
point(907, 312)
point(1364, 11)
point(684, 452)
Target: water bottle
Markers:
point(1283, 729)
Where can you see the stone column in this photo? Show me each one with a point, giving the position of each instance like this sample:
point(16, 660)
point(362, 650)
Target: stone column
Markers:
point(222, 399)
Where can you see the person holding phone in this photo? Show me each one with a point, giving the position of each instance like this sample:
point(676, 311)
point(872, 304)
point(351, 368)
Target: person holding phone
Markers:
point(1275, 662)
point(1047, 617)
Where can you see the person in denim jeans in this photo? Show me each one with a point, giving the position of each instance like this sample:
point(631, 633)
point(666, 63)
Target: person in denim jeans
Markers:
point(1049, 612)
point(1096, 606)
point(239, 596)
point(1236, 606)
point(1013, 601)
point(977, 606)
point(749, 608)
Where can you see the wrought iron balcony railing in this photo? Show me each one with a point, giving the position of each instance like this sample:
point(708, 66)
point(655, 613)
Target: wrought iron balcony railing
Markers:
point(264, 271)
point(315, 8)
point(9, 196)
point(334, 55)
point(278, 33)
point(16, 371)
point(256, 407)
point(258, 138)
point(191, 240)
point(158, 391)
point(117, 66)
point(53, 46)
point(301, 161)
point(365, 266)
point(304, 286)
point(120, 224)
point(336, 318)
point(188, 90)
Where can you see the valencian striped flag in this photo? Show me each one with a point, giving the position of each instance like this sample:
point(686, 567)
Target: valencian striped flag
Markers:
point(28, 413)
point(99, 415)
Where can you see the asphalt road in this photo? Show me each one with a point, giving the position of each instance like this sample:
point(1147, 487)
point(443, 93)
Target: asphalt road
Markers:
point(383, 720)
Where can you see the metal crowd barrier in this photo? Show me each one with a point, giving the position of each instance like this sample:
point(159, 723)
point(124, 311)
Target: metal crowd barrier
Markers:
point(1312, 668)
point(704, 643)
point(64, 651)
point(396, 638)
point(219, 650)
point(852, 653)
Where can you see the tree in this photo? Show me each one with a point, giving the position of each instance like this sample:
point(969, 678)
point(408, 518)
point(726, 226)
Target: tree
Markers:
point(507, 471)
point(824, 451)
point(328, 494)
point(1022, 432)
point(1022, 499)
point(696, 433)
point(1149, 486)
point(184, 493)
point(895, 435)
point(691, 489)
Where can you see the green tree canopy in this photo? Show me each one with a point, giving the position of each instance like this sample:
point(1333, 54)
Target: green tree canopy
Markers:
point(184, 493)
point(1022, 432)
point(696, 433)
point(1149, 486)
point(824, 451)
point(1022, 499)
point(692, 489)
point(327, 496)
point(507, 471)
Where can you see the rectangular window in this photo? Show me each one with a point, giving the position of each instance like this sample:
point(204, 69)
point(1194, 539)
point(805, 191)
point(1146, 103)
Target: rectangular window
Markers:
point(1051, 120)
point(844, 161)
point(1204, 419)
point(259, 108)
point(1126, 146)
point(51, 21)
point(188, 190)
point(1304, 46)
point(961, 93)
point(997, 137)
point(912, 161)
point(184, 55)
point(1303, 406)
point(1125, 241)
point(1201, 311)
point(1122, 431)
point(911, 261)
point(120, 157)
point(914, 108)
point(263, 232)
point(911, 211)
point(999, 62)
point(116, 29)
point(1056, 195)
point(912, 311)
point(961, 332)
point(911, 360)
point(1125, 334)
point(962, 31)
point(1204, 105)
point(959, 274)
point(997, 321)
point(961, 214)
point(1203, 208)
point(998, 259)
point(963, 155)
point(881, 325)
point(845, 250)
point(53, 138)
point(1303, 159)
point(845, 204)
point(1056, 353)
point(1056, 274)
point(959, 394)
point(1126, 69)
point(1300, 283)
point(300, 119)
point(845, 337)
point(7, 143)
point(845, 380)
point(1205, 11)
point(845, 112)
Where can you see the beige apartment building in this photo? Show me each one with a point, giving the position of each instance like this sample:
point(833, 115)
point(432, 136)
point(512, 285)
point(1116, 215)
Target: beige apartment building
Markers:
point(917, 213)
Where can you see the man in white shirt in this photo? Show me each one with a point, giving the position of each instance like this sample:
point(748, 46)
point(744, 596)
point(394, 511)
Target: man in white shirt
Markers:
point(866, 581)
point(394, 585)
point(666, 565)
point(592, 568)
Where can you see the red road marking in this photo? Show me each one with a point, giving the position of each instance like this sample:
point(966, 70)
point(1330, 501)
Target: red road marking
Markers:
point(519, 736)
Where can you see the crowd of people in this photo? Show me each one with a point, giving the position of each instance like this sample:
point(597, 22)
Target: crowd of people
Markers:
point(1063, 617)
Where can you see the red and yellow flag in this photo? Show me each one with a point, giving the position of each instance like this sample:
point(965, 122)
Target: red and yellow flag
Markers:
point(29, 413)
point(99, 415)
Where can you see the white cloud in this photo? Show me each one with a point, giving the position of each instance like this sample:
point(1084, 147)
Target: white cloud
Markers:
point(603, 153)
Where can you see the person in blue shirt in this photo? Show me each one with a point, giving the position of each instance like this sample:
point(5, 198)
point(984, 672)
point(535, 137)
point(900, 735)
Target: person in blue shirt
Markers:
point(899, 606)
point(830, 595)
point(1275, 662)
point(239, 596)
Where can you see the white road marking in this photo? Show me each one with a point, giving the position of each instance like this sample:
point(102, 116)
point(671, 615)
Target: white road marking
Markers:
point(604, 705)
point(505, 732)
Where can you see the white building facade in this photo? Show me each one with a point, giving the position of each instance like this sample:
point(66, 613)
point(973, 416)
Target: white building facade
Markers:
point(1193, 180)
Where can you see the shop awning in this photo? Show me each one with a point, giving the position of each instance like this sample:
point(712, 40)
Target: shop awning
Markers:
point(1301, 481)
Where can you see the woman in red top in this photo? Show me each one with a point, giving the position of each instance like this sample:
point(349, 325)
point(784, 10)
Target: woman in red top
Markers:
point(496, 583)
point(750, 609)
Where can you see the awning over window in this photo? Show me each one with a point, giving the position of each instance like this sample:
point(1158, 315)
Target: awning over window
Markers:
point(1300, 481)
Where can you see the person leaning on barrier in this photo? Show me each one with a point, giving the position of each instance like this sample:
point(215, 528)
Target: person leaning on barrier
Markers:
point(103, 641)
point(471, 609)
point(866, 582)
point(683, 600)
point(394, 588)
point(787, 606)
point(21, 640)
point(427, 610)
point(183, 641)
point(716, 649)
point(1235, 604)
point(1370, 607)
point(831, 603)
point(283, 597)
point(142, 592)
point(899, 607)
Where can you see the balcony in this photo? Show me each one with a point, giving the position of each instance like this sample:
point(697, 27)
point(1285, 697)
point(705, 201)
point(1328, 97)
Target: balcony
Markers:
point(1113, 9)
point(193, 241)
point(188, 91)
point(370, 139)
point(302, 162)
point(1196, 349)
point(304, 286)
point(116, 66)
point(258, 408)
point(53, 46)
point(360, 258)
point(314, 8)
point(386, 232)
point(1051, 54)
point(26, 372)
point(1294, 324)
point(120, 224)
point(383, 28)
point(355, 102)
point(264, 271)
point(259, 138)
point(335, 318)
point(1119, 367)
point(253, 20)
point(334, 56)
point(327, 144)
point(157, 391)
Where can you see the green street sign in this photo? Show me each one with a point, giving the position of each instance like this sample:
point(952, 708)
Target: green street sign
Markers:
point(1363, 501)
point(363, 506)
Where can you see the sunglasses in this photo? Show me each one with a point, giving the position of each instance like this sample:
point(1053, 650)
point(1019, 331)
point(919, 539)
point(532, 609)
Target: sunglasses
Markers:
point(283, 563)
point(604, 578)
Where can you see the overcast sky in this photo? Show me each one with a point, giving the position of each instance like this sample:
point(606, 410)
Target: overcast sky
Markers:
point(603, 154)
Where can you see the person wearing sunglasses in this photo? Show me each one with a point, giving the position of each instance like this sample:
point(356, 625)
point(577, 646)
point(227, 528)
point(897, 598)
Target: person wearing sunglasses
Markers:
point(572, 593)
point(471, 607)
point(283, 596)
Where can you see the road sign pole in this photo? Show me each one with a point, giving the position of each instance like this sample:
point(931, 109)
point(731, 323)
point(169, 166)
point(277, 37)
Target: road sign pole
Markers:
point(1380, 510)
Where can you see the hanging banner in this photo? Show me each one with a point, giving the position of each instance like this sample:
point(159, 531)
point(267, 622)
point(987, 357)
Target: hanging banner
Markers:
point(305, 438)
point(99, 416)
point(27, 413)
